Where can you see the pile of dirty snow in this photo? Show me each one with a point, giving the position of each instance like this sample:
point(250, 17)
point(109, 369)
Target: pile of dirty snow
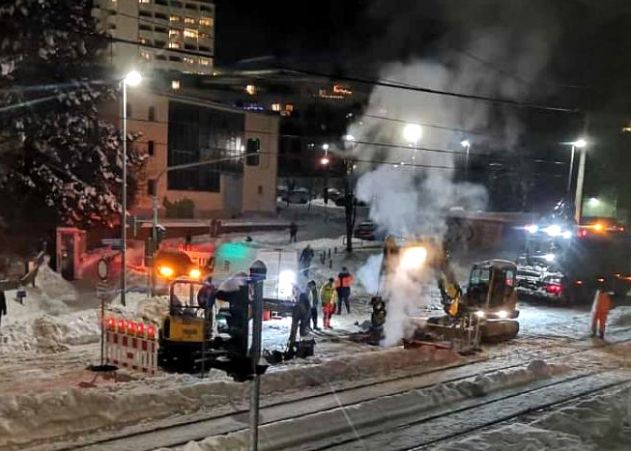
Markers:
point(140, 306)
point(285, 435)
point(46, 333)
point(602, 422)
point(50, 296)
point(41, 416)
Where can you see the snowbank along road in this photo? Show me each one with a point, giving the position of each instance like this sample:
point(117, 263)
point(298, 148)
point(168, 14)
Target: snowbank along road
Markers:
point(458, 401)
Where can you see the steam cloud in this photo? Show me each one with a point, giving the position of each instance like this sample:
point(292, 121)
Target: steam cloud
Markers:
point(415, 201)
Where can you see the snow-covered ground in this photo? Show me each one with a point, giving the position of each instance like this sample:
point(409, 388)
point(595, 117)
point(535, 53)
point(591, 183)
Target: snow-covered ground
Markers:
point(47, 343)
point(600, 423)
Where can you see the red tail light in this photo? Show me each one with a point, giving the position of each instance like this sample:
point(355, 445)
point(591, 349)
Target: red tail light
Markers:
point(553, 288)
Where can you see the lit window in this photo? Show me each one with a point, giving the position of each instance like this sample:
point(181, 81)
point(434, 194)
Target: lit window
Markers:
point(289, 107)
point(174, 45)
point(276, 107)
point(175, 18)
point(188, 60)
point(175, 84)
point(189, 20)
point(203, 35)
point(190, 33)
point(144, 1)
point(175, 33)
point(204, 61)
point(206, 21)
point(250, 89)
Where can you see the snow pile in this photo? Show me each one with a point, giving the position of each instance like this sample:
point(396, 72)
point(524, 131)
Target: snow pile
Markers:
point(385, 408)
point(602, 422)
point(25, 418)
point(50, 296)
point(139, 306)
point(48, 333)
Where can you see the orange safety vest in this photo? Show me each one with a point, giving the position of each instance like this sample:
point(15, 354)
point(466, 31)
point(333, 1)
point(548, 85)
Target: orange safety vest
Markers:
point(603, 303)
point(344, 281)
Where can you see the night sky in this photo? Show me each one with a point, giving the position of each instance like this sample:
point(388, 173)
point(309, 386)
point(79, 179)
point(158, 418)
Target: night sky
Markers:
point(590, 39)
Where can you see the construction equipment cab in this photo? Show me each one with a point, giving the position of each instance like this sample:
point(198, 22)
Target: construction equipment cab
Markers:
point(491, 290)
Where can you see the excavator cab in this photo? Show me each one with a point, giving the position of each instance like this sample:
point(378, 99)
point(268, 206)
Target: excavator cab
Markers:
point(186, 328)
point(491, 290)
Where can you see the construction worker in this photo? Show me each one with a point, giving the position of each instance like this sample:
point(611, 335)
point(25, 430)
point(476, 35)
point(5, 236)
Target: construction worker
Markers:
point(327, 298)
point(600, 311)
point(300, 317)
point(343, 286)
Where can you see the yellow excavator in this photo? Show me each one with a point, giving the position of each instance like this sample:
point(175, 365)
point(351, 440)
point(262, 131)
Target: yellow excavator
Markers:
point(489, 305)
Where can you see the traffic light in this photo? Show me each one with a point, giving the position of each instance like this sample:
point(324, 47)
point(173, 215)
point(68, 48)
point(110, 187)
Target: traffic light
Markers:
point(252, 152)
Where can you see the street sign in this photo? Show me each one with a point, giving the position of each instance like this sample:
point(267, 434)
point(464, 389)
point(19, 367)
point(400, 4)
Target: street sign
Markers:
point(103, 269)
point(102, 291)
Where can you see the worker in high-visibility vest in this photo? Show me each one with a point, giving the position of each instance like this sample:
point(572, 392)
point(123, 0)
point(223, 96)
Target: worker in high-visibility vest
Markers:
point(600, 311)
point(327, 298)
point(343, 287)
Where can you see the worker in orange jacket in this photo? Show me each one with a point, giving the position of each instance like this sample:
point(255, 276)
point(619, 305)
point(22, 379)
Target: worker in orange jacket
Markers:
point(343, 288)
point(600, 311)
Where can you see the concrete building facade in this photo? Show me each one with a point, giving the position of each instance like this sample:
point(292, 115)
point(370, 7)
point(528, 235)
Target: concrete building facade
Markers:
point(185, 131)
point(149, 33)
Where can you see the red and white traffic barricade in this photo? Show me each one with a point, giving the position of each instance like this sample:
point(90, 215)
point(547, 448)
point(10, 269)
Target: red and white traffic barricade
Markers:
point(131, 344)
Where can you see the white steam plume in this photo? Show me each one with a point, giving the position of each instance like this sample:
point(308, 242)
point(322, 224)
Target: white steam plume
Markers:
point(415, 201)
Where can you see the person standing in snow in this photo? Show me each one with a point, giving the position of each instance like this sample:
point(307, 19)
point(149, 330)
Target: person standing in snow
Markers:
point(3, 305)
point(343, 286)
point(314, 302)
point(206, 294)
point(299, 319)
point(293, 232)
point(306, 256)
point(327, 297)
point(600, 311)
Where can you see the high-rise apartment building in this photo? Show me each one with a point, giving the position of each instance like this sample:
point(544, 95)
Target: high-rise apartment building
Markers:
point(150, 33)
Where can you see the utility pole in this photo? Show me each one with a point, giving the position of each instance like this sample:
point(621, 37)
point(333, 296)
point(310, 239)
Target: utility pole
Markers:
point(258, 272)
point(350, 205)
point(578, 201)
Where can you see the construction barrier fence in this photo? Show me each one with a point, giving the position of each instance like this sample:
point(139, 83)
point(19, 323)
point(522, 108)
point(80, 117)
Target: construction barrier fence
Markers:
point(131, 344)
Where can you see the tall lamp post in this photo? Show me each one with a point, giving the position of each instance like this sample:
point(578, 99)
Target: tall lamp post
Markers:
point(467, 145)
point(132, 79)
point(580, 144)
point(324, 161)
point(412, 134)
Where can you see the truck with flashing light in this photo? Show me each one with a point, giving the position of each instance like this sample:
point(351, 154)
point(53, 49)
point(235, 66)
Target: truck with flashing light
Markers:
point(565, 263)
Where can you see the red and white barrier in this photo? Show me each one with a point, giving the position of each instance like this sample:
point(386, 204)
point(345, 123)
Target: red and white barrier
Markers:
point(131, 344)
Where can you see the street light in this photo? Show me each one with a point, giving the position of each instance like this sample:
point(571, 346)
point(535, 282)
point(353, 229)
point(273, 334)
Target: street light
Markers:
point(580, 144)
point(412, 133)
point(133, 78)
point(467, 145)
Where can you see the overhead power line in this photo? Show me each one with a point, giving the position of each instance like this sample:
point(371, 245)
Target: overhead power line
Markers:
point(365, 81)
point(407, 87)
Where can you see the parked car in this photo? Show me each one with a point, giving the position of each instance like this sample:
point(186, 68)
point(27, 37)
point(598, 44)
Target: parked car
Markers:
point(297, 196)
point(369, 231)
point(341, 201)
point(333, 194)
